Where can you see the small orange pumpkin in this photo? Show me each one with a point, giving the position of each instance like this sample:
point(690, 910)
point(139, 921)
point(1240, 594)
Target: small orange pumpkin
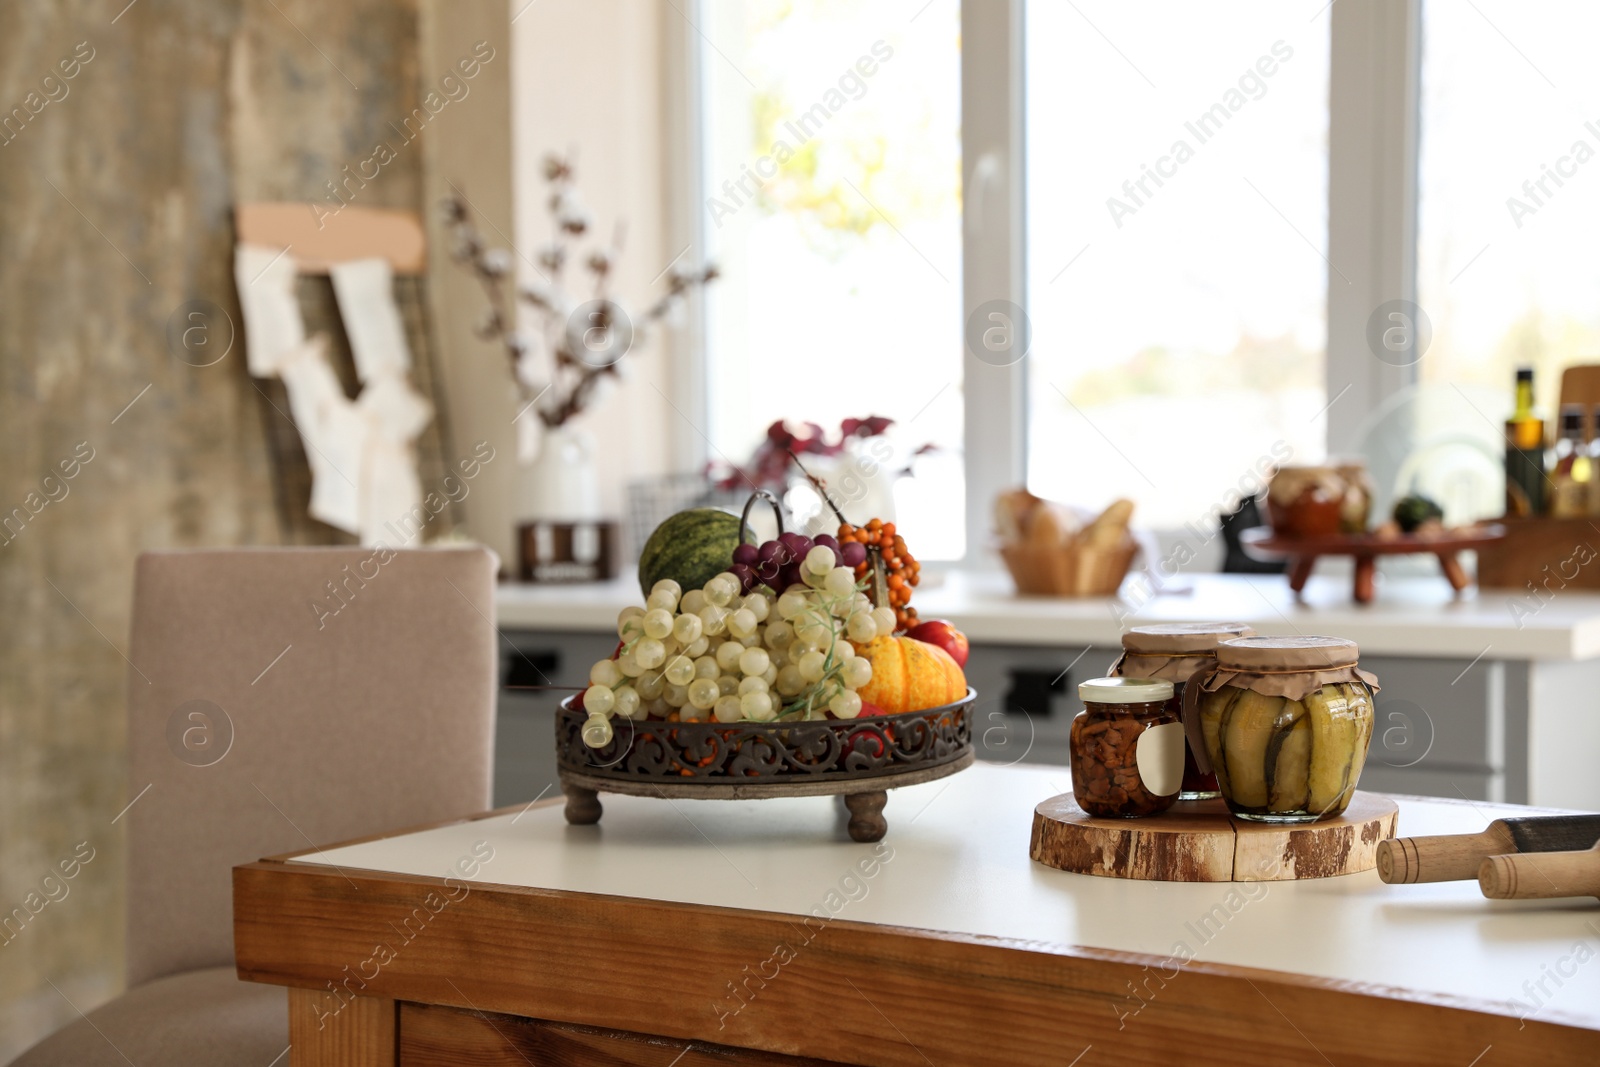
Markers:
point(910, 675)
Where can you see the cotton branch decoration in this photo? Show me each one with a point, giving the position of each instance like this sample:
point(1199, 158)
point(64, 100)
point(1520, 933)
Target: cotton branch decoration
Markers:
point(561, 365)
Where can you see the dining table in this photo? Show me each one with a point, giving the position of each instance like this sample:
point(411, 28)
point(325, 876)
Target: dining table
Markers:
point(680, 933)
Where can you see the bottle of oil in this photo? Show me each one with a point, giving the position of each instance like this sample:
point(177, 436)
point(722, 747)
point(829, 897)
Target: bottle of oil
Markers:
point(1571, 471)
point(1525, 477)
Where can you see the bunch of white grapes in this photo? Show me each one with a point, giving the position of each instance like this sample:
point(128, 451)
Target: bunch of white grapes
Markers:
point(713, 654)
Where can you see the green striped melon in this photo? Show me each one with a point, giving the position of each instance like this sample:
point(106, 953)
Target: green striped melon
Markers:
point(691, 547)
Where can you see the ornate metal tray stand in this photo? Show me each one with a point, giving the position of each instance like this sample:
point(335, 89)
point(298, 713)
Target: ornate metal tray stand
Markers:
point(859, 759)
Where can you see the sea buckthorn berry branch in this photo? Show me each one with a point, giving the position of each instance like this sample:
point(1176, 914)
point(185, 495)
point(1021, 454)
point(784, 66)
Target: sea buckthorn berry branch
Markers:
point(902, 572)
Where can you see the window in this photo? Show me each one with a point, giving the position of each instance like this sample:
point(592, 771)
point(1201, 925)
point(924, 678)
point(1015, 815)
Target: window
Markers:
point(831, 178)
point(1176, 222)
point(1503, 186)
point(1509, 178)
point(1189, 270)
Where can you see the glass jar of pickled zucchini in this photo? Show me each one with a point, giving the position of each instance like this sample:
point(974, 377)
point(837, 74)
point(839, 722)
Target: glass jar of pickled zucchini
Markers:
point(1285, 723)
point(1176, 651)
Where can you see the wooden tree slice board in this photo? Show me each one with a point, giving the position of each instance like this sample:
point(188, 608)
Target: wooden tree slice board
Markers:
point(1199, 841)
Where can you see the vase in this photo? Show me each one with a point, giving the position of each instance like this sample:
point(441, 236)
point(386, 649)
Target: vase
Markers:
point(561, 483)
point(860, 482)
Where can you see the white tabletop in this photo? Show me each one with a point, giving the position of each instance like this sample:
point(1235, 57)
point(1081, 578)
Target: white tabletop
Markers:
point(956, 860)
point(1410, 617)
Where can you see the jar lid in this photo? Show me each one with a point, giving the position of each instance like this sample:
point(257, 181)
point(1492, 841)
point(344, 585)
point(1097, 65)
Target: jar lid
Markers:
point(1286, 654)
point(1125, 691)
point(1181, 638)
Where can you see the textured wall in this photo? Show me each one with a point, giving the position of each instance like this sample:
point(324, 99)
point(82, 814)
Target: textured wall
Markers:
point(115, 200)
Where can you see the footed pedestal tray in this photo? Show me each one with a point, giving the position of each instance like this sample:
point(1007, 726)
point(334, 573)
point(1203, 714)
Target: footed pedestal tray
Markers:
point(859, 759)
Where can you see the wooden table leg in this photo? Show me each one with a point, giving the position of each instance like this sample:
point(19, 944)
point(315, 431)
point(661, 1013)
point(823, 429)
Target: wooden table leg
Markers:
point(1454, 572)
point(1366, 578)
point(340, 1030)
point(1300, 571)
point(866, 815)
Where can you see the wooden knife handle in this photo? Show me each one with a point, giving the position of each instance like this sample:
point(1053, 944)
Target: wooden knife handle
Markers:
point(1538, 875)
point(1450, 858)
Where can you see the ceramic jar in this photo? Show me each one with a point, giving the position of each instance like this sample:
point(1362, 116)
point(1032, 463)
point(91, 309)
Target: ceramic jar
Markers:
point(1320, 501)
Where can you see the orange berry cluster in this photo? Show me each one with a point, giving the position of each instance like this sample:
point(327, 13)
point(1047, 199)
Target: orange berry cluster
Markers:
point(901, 570)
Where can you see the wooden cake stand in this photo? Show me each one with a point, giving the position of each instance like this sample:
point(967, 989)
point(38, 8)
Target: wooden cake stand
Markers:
point(1302, 552)
point(1198, 841)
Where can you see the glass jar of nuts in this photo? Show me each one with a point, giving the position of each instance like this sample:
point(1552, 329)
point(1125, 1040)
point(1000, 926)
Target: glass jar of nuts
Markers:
point(1127, 748)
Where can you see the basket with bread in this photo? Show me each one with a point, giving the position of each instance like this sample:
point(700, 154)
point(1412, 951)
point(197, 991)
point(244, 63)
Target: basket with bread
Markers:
point(1051, 551)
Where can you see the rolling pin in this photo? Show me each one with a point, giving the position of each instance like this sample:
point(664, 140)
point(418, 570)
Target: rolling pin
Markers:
point(1457, 857)
point(1537, 875)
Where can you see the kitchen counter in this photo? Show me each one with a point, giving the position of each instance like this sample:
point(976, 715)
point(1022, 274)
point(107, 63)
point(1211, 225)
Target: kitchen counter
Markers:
point(1487, 696)
point(1411, 616)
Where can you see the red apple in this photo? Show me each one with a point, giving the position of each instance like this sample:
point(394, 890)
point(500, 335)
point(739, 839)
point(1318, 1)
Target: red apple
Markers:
point(943, 633)
point(868, 739)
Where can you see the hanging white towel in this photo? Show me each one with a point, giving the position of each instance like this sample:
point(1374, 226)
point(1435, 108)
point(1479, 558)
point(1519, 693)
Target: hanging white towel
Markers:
point(365, 291)
point(391, 492)
point(273, 328)
point(392, 508)
point(362, 453)
point(336, 492)
point(333, 432)
point(396, 409)
point(393, 412)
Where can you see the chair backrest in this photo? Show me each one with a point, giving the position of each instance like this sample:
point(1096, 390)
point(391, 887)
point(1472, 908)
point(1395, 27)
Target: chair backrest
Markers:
point(281, 699)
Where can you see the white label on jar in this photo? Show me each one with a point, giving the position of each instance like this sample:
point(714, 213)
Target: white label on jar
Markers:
point(1159, 756)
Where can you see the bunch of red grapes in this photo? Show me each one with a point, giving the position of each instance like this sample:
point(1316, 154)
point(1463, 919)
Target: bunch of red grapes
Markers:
point(776, 564)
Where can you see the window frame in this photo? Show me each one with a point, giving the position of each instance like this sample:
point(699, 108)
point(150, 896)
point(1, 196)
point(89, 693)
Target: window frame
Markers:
point(683, 124)
point(994, 257)
point(1374, 100)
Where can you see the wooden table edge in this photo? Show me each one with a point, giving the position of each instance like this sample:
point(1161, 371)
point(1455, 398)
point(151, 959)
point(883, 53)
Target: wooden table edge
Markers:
point(1026, 976)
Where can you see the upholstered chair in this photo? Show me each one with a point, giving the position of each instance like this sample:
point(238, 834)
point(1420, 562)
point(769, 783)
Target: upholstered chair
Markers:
point(278, 699)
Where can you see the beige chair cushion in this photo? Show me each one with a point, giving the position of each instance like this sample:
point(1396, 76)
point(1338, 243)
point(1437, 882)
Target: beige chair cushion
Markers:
point(285, 698)
point(200, 1019)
